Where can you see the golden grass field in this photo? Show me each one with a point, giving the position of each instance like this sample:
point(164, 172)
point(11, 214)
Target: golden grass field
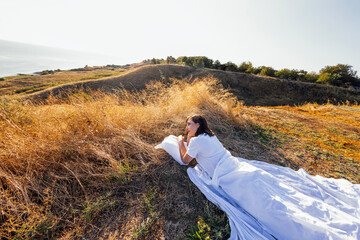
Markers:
point(25, 84)
point(85, 167)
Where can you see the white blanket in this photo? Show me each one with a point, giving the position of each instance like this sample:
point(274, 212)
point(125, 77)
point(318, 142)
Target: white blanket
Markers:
point(265, 201)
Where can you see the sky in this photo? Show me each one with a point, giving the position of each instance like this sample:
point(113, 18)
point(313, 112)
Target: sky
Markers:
point(297, 34)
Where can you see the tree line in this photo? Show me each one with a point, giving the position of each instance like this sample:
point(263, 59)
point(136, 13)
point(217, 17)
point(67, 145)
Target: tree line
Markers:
point(341, 75)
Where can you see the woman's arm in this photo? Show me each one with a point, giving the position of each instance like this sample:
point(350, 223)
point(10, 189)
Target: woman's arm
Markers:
point(183, 153)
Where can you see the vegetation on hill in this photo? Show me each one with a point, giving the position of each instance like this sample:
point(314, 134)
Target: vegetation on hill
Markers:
point(27, 84)
point(340, 75)
point(84, 166)
point(252, 89)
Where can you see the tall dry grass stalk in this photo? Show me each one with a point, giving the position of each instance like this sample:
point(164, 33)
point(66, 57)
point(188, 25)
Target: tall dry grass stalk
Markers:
point(55, 156)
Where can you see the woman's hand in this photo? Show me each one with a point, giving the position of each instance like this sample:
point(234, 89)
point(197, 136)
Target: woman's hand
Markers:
point(185, 158)
point(180, 138)
point(188, 139)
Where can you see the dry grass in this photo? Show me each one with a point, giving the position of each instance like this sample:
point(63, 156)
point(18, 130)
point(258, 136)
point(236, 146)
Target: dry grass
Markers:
point(32, 83)
point(59, 158)
point(253, 90)
point(85, 166)
point(323, 139)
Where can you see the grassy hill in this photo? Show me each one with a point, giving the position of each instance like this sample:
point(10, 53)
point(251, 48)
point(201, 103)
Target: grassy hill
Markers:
point(252, 89)
point(82, 164)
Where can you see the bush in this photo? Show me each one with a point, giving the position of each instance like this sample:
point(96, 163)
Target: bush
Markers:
point(170, 59)
point(339, 75)
point(311, 77)
point(245, 67)
point(230, 66)
point(200, 61)
point(257, 70)
point(287, 74)
point(156, 61)
point(328, 78)
point(217, 64)
point(268, 71)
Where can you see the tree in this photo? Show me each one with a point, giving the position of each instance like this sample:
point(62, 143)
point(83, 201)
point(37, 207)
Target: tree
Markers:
point(328, 78)
point(268, 71)
point(257, 70)
point(311, 77)
point(217, 64)
point(339, 75)
point(208, 63)
point(287, 74)
point(301, 75)
point(170, 60)
point(182, 60)
point(230, 66)
point(245, 67)
point(198, 62)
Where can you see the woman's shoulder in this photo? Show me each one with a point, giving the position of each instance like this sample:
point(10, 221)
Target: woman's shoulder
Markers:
point(203, 137)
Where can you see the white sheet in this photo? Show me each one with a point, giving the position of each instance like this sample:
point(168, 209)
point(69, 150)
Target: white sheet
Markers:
point(171, 146)
point(265, 201)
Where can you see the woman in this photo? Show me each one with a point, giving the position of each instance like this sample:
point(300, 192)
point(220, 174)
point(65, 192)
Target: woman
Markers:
point(265, 201)
point(202, 145)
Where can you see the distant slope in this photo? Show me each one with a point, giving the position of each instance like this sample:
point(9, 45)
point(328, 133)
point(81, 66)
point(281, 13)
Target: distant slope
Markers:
point(253, 90)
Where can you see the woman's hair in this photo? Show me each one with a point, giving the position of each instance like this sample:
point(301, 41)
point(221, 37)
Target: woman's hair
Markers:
point(203, 128)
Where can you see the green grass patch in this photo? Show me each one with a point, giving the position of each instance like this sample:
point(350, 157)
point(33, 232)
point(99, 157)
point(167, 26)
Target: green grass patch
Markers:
point(213, 225)
point(32, 89)
point(150, 203)
point(97, 76)
point(269, 136)
point(92, 209)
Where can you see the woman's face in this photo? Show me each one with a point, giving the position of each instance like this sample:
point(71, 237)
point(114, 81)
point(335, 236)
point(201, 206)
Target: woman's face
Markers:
point(191, 127)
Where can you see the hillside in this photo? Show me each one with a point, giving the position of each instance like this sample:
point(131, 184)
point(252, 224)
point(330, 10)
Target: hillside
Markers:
point(82, 164)
point(252, 89)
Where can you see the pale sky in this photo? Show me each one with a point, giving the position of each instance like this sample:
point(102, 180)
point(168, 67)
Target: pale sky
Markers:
point(295, 34)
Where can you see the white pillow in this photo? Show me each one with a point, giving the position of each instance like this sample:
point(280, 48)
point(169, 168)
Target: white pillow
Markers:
point(171, 146)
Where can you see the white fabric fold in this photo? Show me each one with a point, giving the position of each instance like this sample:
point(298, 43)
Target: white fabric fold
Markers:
point(171, 146)
point(265, 201)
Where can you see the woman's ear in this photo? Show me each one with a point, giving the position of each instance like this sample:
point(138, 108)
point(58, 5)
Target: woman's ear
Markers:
point(197, 125)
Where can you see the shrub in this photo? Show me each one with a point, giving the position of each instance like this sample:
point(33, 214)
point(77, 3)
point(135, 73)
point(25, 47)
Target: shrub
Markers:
point(230, 66)
point(339, 75)
point(217, 64)
point(287, 74)
point(245, 67)
point(328, 78)
point(170, 59)
point(199, 61)
point(268, 71)
point(311, 77)
point(257, 70)
point(156, 61)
